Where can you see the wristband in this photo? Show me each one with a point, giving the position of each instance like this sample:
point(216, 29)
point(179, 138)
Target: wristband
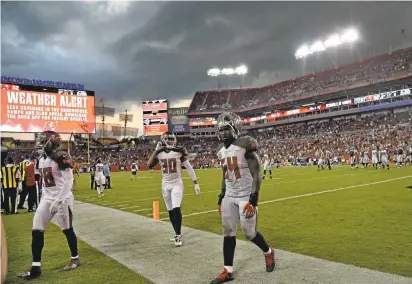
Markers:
point(253, 199)
point(220, 199)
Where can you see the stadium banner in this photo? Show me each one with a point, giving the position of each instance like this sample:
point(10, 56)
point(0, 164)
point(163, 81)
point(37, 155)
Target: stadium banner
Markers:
point(33, 109)
point(123, 117)
point(197, 122)
point(36, 82)
point(155, 118)
point(383, 96)
point(178, 120)
point(106, 111)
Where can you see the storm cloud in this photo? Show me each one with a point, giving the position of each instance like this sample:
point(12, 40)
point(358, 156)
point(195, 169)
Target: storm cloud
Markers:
point(129, 51)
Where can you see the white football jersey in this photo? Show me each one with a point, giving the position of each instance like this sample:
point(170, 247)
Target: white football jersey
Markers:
point(55, 181)
point(134, 167)
point(266, 159)
point(238, 178)
point(171, 166)
point(374, 153)
point(383, 154)
point(98, 170)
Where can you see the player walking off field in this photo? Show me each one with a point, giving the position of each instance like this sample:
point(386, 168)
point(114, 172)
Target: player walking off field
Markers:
point(99, 177)
point(238, 199)
point(134, 171)
point(171, 159)
point(57, 200)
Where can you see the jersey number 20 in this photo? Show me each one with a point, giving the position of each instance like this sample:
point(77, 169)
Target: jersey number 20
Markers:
point(232, 166)
point(169, 166)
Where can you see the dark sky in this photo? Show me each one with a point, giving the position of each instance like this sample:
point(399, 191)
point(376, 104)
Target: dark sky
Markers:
point(129, 51)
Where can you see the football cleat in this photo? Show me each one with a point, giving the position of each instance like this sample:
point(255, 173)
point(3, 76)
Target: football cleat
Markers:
point(32, 273)
point(178, 241)
point(270, 260)
point(73, 263)
point(223, 277)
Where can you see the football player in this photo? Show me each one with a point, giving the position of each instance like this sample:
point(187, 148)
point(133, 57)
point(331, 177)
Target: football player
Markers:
point(267, 165)
point(374, 157)
point(171, 159)
point(239, 196)
point(57, 200)
point(384, 157)
point(134, 171)
point(99, 177)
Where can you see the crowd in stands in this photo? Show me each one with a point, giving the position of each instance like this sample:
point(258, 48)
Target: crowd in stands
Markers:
point(369, 71)
point(289, 141)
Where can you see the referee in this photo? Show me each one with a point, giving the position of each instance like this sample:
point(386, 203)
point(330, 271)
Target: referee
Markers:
point(10, 176)
point(25, 191)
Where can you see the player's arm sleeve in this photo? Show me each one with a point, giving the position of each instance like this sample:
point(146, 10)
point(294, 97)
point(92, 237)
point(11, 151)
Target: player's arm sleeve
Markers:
point(190, 170)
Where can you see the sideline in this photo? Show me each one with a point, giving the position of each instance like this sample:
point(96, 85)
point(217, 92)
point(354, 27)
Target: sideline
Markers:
point(143, 246)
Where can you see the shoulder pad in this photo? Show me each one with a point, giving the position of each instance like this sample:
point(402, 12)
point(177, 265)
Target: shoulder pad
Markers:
point(63, 160)
point(247, 142)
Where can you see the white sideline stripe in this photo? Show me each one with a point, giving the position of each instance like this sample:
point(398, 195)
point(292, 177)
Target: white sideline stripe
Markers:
point(145, 209)
point(129, 207)
point(304, 195)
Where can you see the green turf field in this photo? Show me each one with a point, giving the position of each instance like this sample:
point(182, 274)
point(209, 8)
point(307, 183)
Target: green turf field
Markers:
point(95, 267)
point(360, 217)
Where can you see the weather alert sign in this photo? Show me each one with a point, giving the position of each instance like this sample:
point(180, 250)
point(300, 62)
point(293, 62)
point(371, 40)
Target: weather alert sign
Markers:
point(36, 111)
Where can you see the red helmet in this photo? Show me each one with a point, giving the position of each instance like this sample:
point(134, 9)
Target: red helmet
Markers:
point(48, 141)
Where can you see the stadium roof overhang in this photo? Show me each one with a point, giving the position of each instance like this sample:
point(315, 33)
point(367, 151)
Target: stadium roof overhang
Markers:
point(338, 94)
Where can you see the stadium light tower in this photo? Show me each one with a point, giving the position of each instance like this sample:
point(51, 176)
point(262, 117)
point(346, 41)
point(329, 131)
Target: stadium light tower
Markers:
point(238, 71)
point(349, 36)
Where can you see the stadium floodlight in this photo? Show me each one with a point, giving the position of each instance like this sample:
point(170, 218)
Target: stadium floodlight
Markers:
point(214, 72)
point(350, 35)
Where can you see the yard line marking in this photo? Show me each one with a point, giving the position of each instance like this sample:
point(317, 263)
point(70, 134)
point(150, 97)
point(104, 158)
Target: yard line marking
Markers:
point(305, 195)
point(129, 207)
point(145, 209)
point(304, 180)
point(113, 203)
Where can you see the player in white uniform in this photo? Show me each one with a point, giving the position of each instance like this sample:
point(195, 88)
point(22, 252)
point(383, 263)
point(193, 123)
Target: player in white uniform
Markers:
point(134, 171)
point(384, 158)
point(408, 158)
point(57, 201)
point(99, 177)
point(375, 159)
point(319, 155)
point(267, 165)
point(171, 158)
point(238, 199)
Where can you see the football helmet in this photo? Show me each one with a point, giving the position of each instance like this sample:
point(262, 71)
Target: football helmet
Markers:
point(228, 126)
point(168, 139)
point(48, 142)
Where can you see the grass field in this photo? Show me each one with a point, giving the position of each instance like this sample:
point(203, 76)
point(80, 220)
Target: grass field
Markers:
point(360, 217)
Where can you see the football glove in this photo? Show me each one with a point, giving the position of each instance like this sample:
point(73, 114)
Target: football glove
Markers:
point(197, 189)
point(250, 208)
point(54, 207)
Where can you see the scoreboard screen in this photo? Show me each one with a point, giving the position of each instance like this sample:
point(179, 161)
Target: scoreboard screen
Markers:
point(155, 119)
point(28, 109)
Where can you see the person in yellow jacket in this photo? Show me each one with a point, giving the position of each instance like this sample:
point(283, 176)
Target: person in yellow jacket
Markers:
point(10, 178)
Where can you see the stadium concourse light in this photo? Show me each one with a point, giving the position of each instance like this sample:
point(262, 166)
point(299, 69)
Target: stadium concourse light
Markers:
point(350, 35)
point(214, 72)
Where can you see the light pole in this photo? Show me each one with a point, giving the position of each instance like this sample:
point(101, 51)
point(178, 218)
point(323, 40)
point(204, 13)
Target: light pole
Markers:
point(238, 71)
